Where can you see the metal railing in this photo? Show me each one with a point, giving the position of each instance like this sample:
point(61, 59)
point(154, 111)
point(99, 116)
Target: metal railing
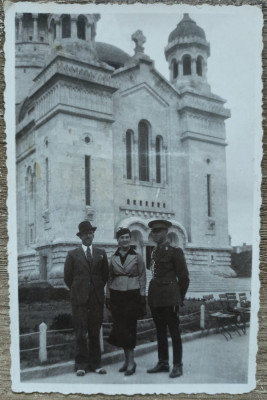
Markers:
point(43, 333)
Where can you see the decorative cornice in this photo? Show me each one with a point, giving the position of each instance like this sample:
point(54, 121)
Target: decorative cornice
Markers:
point(203, 138)
point(146, 212)
point(66, 66)
point(69, 110)
point(191, 102)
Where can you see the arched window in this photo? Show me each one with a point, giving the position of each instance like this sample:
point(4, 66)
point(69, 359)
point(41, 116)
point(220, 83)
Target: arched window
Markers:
point(81, 27)
point(199, 65)
point(143, 151)
point(66, 27)
point(158, 158)
point(174, 69)
point(187, 65)
point(129, 172)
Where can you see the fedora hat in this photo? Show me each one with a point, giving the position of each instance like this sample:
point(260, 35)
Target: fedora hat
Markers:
point(85, 226)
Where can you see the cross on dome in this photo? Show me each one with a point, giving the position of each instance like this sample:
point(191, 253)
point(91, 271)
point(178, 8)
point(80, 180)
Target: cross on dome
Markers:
point(139, 40)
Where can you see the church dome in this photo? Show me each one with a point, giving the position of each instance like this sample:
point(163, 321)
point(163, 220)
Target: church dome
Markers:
point(186, 28)
point(111, 55)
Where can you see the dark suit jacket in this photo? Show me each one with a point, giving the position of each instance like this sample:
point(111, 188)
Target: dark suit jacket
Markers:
point(84, 280)
point(171, 278)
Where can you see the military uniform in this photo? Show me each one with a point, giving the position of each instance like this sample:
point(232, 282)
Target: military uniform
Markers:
point(167, 289)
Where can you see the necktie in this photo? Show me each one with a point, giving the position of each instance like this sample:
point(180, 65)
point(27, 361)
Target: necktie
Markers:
point(89, 255)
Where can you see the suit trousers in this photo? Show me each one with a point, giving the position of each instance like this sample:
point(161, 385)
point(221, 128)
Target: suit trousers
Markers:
point(168, 317)
point(87, 319)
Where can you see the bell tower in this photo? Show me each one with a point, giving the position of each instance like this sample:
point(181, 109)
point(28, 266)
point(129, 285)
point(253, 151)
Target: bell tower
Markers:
point(73, 35)
point(187, 53)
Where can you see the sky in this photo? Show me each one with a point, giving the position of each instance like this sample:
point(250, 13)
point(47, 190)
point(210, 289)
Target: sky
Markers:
point(234, 34)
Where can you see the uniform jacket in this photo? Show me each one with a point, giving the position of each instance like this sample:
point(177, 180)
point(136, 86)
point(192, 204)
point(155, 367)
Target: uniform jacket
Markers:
point(131, 275)
point(171, 279)
point(85, 280)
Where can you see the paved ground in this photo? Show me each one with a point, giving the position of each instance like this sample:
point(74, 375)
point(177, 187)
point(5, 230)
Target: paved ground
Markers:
point(206, 360)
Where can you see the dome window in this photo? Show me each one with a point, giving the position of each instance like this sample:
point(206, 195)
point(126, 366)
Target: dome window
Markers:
point(174, 69)
point(81, 28)
point(200, 66)
point(187, 65)
point(66, 27)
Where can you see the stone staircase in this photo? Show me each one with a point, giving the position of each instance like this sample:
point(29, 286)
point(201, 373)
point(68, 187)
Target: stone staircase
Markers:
point(203, 281)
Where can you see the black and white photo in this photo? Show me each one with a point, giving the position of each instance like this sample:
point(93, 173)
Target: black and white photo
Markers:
point(134, 150)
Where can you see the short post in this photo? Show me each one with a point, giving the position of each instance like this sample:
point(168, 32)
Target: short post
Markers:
point(42, 342)
point(202, 316)
point(101, 339)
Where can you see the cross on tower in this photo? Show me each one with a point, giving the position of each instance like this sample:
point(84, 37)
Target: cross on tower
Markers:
point(139, 40)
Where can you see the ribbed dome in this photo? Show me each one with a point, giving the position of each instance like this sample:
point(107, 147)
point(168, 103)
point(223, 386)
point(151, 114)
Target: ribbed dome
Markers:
point(111, 55)
point(186, 28)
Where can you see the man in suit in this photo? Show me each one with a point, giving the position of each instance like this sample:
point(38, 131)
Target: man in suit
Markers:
point(86, 274)
point(167, 289)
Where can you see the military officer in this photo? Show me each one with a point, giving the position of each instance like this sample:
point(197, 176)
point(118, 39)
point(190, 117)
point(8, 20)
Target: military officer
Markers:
point(167, 289)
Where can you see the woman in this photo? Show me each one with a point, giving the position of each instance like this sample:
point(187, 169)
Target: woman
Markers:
point(125, 297)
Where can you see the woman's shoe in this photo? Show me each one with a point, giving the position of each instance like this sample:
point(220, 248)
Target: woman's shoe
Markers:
point(131, 371)
point(123, 368)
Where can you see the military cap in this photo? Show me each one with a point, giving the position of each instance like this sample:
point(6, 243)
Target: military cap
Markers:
point(159, 224)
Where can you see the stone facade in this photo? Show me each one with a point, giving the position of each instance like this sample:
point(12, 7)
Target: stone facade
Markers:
point(110, 140)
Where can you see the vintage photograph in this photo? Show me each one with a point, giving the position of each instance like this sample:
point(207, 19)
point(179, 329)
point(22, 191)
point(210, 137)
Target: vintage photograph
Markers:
point(134, 150)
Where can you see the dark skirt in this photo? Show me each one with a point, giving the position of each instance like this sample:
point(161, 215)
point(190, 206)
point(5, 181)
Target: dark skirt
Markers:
point(124, 309)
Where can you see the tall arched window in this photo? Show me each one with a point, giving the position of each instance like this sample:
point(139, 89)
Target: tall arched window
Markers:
point(81, 27)
point(129, 161)
point(187, 65)
point(174, 69)
point(158, 158)
point(143, 151)
point(66, 30)
point(199, 65)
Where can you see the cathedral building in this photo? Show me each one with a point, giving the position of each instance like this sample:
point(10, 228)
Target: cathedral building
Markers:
point(102, 135)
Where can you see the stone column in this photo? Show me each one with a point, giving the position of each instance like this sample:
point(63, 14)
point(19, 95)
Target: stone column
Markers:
point(35, 27)
point(170, 72)
point(58, 32)
point(89, 33)
point(194, 66)
point(135, 159)
point(20, 16)
point(152, 163)
point(73, 33)
point(204, 69)
point(180, 69)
